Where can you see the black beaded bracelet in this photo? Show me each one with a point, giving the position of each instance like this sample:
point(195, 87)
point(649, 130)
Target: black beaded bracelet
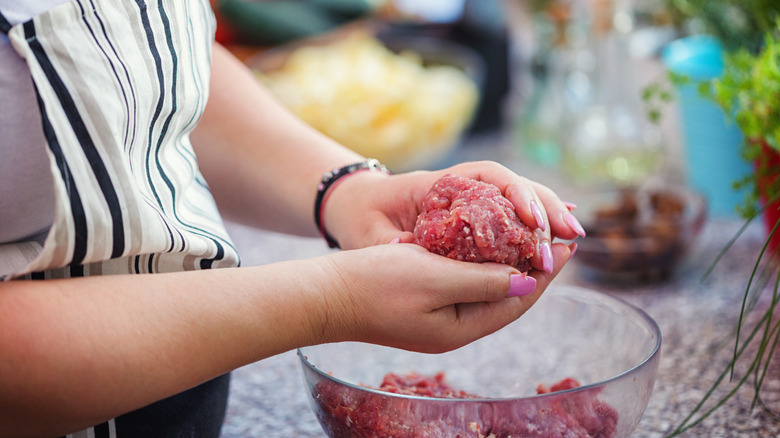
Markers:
point(330, 178)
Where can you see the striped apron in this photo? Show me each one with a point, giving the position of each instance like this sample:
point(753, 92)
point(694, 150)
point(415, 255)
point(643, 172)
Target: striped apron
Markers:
point(120, 84)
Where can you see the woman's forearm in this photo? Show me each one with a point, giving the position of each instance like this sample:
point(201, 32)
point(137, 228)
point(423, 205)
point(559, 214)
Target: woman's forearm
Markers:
point(261, 162)
point(76, 352)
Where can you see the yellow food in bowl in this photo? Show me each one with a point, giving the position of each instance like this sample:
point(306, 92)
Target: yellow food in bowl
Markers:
point(379, 103)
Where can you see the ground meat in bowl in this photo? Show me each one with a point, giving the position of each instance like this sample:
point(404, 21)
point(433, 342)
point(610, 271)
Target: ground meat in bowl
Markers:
point(348, 412)
point(469, 220)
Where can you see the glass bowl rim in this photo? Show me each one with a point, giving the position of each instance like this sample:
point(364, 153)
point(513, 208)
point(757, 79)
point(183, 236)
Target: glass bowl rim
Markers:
point(652, 325)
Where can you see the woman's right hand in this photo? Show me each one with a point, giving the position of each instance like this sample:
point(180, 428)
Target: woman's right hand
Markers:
point(400, 295)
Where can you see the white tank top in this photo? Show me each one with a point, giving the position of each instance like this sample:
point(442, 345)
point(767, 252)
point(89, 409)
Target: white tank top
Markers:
point(26, 192)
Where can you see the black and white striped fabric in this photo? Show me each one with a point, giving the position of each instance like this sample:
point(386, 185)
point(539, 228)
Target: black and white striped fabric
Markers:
point(120, 85)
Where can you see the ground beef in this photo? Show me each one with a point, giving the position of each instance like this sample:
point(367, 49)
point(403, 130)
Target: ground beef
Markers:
point(349, 412)
point(422, 385)
point(470, 220)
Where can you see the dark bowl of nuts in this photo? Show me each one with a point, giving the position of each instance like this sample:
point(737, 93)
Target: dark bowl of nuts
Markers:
point(638, 233)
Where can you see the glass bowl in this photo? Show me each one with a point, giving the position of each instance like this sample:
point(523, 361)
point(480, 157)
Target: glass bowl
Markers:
point(638, 233)
point(609, 346)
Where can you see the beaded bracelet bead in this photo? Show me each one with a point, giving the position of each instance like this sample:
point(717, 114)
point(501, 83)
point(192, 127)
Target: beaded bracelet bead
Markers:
point(327, 182)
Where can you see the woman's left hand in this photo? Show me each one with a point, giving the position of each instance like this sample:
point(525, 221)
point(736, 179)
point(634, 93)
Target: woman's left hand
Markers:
point(371, 208)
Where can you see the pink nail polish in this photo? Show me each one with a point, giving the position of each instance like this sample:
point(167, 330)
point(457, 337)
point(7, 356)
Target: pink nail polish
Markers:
point(396, 240)
point(547, 256)
point(573, 249)
point(569, 205)
point(520, 285)
point(574, 224)
point(538, 216)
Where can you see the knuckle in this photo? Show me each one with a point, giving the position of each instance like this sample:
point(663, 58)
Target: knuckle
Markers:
point(494, 287)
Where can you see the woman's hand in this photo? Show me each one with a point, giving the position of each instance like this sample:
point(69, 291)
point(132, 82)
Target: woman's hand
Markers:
point(371, 208)
point(402, 296)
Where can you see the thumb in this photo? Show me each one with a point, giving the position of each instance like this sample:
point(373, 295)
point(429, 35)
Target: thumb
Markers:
point(495, 312)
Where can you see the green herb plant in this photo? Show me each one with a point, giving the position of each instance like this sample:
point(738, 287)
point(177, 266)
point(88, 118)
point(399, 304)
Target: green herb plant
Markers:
point(749, 91)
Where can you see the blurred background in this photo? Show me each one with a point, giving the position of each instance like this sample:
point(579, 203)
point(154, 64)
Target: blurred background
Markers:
point(575, 93)
point(564, 78)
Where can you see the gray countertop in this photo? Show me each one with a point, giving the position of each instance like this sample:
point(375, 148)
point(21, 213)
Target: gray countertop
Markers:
point(696, 316)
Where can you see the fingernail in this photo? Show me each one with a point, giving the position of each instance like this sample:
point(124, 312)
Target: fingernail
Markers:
point(396, 240)
point(547, 256)
point(569, 205)
point(574, 224)
point(538, 216)
point(572, 249)
point(520, 285)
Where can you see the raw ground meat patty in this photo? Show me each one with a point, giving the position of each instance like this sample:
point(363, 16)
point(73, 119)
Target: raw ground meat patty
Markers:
point(470, 220)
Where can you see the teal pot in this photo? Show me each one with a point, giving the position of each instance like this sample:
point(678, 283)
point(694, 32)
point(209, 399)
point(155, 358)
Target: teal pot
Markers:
point(712, 143)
